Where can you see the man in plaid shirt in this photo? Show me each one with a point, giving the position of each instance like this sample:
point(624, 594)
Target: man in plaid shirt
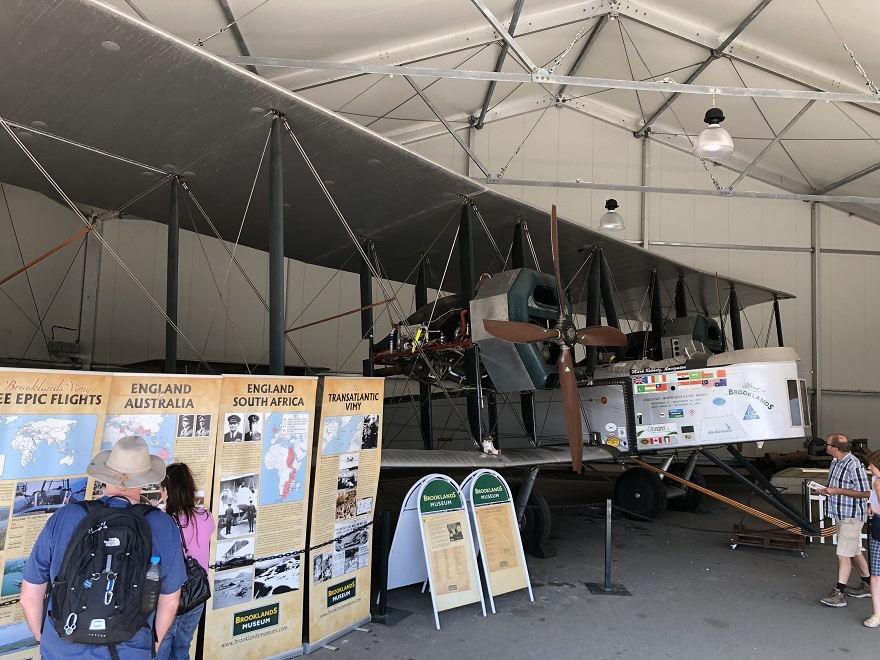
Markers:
point(847, 492)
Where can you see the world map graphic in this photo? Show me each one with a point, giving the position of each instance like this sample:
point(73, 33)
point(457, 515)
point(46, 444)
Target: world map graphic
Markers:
point(157, 430)
point(44, 445)
point(285, 446)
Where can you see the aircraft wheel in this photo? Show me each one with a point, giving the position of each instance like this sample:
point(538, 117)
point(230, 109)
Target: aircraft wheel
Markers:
point(535, 526)
point(692, 498)
point(640, 494)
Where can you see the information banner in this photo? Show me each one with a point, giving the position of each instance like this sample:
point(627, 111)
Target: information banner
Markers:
point(346, 482)
point(49, 422)
point(260, 498)
point(449, 549)
point(494, 522)
point(176, 415)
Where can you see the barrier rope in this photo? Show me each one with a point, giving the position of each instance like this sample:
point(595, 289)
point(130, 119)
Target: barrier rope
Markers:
point(776, 522)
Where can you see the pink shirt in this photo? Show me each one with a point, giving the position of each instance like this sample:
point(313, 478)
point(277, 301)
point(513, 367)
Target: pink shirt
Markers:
point(197, 533)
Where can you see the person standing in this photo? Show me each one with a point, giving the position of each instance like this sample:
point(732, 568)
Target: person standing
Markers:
point(124, 470)
point(230, 517)
point(873, 621)
point(233, 435)
point(196, 526)
point(846, 492)
point(251, 515)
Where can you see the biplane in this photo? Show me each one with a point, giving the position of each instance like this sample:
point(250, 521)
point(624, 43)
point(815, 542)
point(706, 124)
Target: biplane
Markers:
point(673, 385)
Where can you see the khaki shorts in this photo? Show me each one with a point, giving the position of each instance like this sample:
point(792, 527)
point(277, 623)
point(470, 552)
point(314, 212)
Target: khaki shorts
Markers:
point(849, 542)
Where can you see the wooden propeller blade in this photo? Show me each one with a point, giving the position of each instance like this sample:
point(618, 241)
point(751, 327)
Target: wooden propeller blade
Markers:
point(601, 335)
point(571, 404)
point(554, 245)
point(518, 332)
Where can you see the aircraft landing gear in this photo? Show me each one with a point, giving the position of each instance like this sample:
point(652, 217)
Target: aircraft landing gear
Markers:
point(534, 528)
point(640, 494)
point(691, 499)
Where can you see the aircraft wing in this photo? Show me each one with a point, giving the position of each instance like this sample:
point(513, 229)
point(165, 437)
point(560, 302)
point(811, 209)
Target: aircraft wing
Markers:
point(159, 101)
point(442, 459)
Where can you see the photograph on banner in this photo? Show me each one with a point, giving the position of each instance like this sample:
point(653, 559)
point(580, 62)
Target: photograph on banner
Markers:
point(233, 587)
point(234, 553)
point(346, 483)
point(264, 432)
point(276, 576)
point(238, 494)
point(50, 425)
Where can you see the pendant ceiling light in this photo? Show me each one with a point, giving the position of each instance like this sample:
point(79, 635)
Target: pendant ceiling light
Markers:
point(714, 142)
point(611, 220)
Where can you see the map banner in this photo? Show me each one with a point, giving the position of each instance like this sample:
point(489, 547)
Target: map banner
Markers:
point(49, 422)
point(176, 415)
point(346, 482)
point(260, 497)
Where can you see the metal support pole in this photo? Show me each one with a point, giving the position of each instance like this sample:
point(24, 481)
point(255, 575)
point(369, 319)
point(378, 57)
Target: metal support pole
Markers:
point(608, 545)
point(760, 478)
point(606, 285)
point(518, 251)
point(88, 315)
point(525, 492)
point(646, 181)
point(798, 519)
point(736, 333)
point(276, 251)
point(527, 405)
point(172, 281)
point(816, 282)
point(384, 553)
point(778, 318)
point(681, 306)
point(426, 419)
point(593, 296)
point(656, 316)
point(492, 406)
point(472, 354)
point(367, 321)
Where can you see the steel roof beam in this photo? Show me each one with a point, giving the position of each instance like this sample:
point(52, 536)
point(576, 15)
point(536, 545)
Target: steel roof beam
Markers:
point(137, 11)
point(715, 53)
point(589, 185)
point(578, 81)
point(498, 64)
point(849, 179)
point(504, 34)
point(449, 128)
point(586, 49)
point(236, 33)
point(773, 143)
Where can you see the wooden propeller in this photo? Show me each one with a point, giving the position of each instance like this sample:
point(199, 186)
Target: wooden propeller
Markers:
point(566, 336)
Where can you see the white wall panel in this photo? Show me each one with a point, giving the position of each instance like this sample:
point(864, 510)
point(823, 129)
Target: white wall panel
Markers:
point(31, 225)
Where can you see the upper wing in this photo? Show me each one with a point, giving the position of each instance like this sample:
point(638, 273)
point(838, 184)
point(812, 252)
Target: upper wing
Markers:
point(160, 101)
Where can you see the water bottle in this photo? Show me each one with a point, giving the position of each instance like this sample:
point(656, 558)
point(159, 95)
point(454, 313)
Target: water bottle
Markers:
point(150, 599)
point(391, 346)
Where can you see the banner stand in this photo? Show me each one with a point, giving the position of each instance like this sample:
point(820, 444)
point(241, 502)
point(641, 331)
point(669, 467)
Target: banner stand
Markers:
point(321, 643)
point(449, 563)
point(496, 534)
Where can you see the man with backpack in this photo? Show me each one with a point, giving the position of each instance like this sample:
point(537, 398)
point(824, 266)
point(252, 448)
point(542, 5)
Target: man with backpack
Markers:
point(113, 567)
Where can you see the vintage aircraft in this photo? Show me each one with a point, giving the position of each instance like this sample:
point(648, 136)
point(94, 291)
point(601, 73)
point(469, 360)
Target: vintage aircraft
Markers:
point(208, 122)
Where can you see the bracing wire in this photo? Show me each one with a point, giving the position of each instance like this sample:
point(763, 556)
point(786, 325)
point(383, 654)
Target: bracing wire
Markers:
point(102, 240)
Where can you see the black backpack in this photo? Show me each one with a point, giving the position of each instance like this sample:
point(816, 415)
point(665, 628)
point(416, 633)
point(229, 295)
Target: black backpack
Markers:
point(97, 594)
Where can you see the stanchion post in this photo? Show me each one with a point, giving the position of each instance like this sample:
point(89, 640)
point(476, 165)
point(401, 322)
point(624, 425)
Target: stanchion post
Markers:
point(381, 613)
point(607, 589)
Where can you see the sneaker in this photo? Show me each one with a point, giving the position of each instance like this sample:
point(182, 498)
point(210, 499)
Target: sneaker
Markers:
point(836, 599)
point(861, 591)
point(872, 621)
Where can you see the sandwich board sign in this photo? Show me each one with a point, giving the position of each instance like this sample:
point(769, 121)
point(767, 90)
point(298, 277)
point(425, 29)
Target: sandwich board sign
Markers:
point(496, 534)
point(434, 517)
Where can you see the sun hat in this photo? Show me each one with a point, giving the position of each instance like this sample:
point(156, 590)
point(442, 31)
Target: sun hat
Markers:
point(128, 465)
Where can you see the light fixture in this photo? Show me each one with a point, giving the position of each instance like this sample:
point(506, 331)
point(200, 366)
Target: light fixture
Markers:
point(611, 220)
point(714, 142)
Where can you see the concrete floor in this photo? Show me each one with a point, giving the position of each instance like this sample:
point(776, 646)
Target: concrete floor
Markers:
point(693, 597)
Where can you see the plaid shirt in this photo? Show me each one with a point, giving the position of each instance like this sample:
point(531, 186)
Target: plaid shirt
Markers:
point(847, 473)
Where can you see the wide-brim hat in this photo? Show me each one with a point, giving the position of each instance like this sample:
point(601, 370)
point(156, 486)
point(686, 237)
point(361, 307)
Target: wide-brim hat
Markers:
point(128, 465)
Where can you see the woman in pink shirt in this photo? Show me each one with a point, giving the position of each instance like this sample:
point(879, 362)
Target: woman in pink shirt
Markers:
point(179, 496)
